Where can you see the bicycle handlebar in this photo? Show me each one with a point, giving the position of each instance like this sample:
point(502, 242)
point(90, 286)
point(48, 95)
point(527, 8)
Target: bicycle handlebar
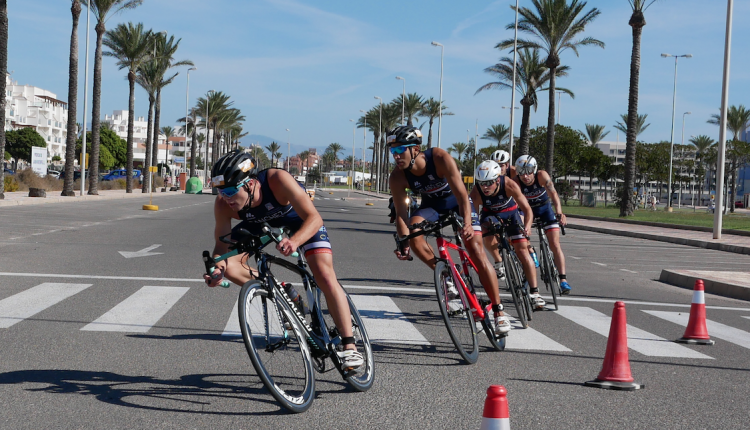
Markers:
point(428, 227)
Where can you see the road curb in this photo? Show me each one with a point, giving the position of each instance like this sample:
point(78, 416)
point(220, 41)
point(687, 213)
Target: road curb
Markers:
point(661, 224)
point(719, 288)
point(678, 240)
point(29, 201)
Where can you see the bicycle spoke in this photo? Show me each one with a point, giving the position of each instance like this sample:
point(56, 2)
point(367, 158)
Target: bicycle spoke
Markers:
point(456, 312)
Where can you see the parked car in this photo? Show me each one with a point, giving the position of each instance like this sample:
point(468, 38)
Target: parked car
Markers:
point(55, 174)
point(76, 175)
point(120, 174)
point(739, 204)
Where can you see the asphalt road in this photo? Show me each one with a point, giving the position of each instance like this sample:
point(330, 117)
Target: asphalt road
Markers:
point(58, 370)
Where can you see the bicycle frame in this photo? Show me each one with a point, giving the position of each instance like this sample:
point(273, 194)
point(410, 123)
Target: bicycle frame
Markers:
point(443, 247)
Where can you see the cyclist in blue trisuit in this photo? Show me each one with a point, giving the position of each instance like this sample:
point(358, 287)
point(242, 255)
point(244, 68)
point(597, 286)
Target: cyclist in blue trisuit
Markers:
point(540, 191)
point(500, 198)
point(435, 175)
point(273, 196)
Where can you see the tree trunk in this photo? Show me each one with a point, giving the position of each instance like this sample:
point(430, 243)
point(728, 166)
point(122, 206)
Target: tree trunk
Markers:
point(149, 146)
point(523, 144)
point(637, 22)
point(429, 135)
point(155, 151)
point(733, 186)
point(95, 113)
point(70, 139)
point(550, 165)
point(131, 121)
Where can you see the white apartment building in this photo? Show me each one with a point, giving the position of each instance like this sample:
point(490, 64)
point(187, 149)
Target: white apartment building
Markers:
point(614, 150)
point(29, 106)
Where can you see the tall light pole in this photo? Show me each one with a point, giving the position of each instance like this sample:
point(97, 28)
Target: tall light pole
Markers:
point(364, 145)
point(723, 124)
point(354, 134)
point(208, 140)
point(513, 89)
point(671, 145)
point(682, 154)
point(85, 103)
point(380, 141)
point(187, 104)
point(288, 147)
point(440, 111)
point(403, 100)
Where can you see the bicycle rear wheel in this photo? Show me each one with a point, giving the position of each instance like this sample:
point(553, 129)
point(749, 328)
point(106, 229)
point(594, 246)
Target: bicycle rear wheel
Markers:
point(488, 325)
point(523, 291)
point(362, 378)
point(457, 314)
point(277, 347)
point(549, 274)
point(513, 280)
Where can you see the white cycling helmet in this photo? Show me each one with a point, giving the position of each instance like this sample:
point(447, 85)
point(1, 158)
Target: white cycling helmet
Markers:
point(500, 156)
point(526, 164)
point(487, 171)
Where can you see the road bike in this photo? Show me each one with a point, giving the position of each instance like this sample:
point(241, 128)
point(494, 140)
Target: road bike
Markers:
point(284, 338)
point(456, 286)
point(547, 268)
point(515, 278)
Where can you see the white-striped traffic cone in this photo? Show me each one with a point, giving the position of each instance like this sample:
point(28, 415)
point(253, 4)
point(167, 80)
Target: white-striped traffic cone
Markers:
point(495, 415)
point(696, 331)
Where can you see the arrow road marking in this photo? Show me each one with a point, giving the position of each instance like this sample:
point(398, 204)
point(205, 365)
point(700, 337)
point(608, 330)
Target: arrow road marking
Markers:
point(142, 253)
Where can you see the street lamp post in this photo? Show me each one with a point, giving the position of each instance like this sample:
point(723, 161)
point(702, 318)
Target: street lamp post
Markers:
point(682, 155)
point(403, 100)
point(364, 146)
point(354, 134)
point(513, 89)
point(187, 104)
point(208, 140)
point(380, 142)
point(671, 144)
point(440, 111)
point(723, 123)
point(288, 147)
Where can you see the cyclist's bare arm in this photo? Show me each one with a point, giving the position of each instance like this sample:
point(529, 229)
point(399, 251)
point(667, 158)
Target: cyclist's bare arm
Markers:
point(545, 179)
point(512, 189)
point(223, 215)
point(286, 190)
point(446, 167)
point(399, 184)
point(476, 199)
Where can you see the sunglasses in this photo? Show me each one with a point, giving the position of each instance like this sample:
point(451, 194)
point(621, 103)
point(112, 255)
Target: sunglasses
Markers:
point(526, 171)
point(231, 191)
point(400, 149)
point(485, 183)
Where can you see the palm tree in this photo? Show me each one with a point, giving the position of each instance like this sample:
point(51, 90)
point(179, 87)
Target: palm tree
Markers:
point(459, 148)
point(130, 45)
point(595, 133)
point(738, 119)
point(167, 132)
point(70, 140)
point(273, 149)
point(640, 125)
point(702, 143)
point(146, 77)
point(556, 25)
point(531, 74)
point(227, 121)
point(335, 148)
point(413, 106)
point(431, 110)
point(303, 157)
point(211, 107)
point(637, 22)
point(497, 133)
point(103, 10)
point(190, 129)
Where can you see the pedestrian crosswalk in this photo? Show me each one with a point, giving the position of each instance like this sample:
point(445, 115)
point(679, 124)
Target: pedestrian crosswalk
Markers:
point(385, 321)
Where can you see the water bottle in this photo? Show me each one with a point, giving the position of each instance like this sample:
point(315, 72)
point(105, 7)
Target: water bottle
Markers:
point(534, 257)
point(292, 293)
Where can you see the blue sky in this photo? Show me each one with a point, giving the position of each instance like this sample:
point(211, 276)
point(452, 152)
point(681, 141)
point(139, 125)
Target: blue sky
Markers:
point(311, 66)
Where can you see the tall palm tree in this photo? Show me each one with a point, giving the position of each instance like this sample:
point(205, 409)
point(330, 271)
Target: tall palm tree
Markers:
point(70, 139)
point(595, 133)
point(168, 132)
point(431, 110)
point(102, 10)
point(738, 120)
point(304, 156)
point(210, 108)
point(413, 105)
point(459, 148)
point(335, 148)
point(702, 143)
point(497, 133)
point(131, 46)
point(531, 74)
point(637, 22)
point(147, 77)
point(640, 125)
point(227, 121)
point(273, 149)
point(556, 26)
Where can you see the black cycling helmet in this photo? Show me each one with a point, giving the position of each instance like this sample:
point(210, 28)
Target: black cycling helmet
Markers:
point(232, 169)
point(405, 135)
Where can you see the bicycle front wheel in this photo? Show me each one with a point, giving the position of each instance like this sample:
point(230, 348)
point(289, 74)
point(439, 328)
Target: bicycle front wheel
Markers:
point(277, 346)
point(550, 276)
point(513, 281)
point(488, 325)
point(456, 312)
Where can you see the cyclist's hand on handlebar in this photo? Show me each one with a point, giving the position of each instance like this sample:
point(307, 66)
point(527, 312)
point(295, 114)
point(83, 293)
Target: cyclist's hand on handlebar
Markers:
point(527, 231)
point(467, 231)
point(563, 220)
point(216, 277)
point(286, 247)
point(404, 253)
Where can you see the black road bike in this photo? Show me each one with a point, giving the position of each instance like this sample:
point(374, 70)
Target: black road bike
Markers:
point(547, 268)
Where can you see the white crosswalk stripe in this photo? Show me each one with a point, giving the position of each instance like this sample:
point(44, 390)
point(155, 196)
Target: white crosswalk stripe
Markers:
point(530, 339)
point(34, 300)
point(715, 329)
point(384, 321)
point(638, 340)
point(233, 324)
point(139, 312)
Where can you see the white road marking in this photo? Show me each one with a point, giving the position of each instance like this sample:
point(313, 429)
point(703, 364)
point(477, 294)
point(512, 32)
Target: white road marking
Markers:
point(34, 300)
point(385, 322)
point(139, 312)
point(530, 339)
point(715, 329)
point(599, 264)
point(629, 271)
point(233, 324)
point(638, 340)
point(575, 258)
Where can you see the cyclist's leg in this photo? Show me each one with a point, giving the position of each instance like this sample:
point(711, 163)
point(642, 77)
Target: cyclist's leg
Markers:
point(552, 230)
point(419, 245)
point(490, 243)
point(238, 270)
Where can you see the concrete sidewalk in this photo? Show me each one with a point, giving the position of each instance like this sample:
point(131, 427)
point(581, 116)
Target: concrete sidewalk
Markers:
point(728, 284)
point(701, 239)
point(21, 198)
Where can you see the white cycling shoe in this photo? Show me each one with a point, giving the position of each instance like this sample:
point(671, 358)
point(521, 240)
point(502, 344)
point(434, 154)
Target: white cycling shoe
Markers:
point(502, 324)
point(499, 270)
point(537, 301)
point(350, 359)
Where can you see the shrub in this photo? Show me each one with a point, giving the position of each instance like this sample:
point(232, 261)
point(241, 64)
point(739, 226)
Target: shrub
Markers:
point(10, 184)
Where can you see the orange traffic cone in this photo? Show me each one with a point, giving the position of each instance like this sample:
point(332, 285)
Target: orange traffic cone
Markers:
point(495, 415)
point(615, 374)
point(696, 331)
